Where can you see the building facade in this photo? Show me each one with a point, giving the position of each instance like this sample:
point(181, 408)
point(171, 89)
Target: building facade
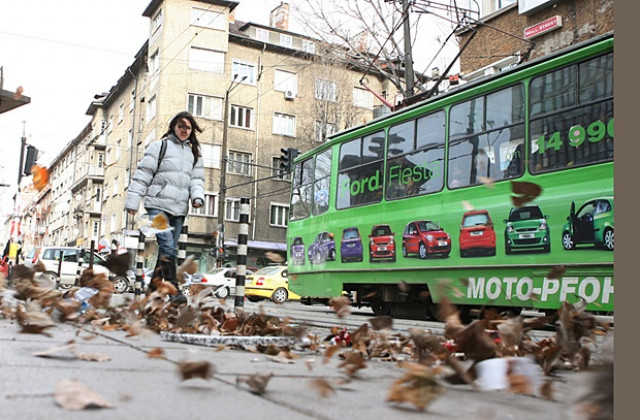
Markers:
point(279, 89)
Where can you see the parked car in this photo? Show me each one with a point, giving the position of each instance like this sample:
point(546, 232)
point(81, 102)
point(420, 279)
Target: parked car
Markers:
point(526, 229)
point(322, 249)
point(222, 278)
point(477, 235)
point(425, 238)
point(351, 245)
point(591, 224)
point(51, 258)
point(297, 251)
point(269, 282)
point(381, 244)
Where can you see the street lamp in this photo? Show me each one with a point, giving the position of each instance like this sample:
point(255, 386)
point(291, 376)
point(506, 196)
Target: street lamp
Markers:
point(223, 168)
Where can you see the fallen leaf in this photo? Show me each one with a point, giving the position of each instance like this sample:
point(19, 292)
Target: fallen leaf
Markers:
point(418, 386)
point(40, 177)
point(556, 272)
point(117, 263)
point(93, 357)
point(156, 353)
point(257, 383)
point(195, 369)
point(341, 305)
point(381, 322)
point(323, 387)
point(74, 395)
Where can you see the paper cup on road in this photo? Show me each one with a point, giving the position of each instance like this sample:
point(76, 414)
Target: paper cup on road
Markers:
point(492, 374)
point(495, 374)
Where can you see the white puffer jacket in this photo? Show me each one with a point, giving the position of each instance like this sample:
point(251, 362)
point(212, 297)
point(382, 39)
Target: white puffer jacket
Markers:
point(176, 180)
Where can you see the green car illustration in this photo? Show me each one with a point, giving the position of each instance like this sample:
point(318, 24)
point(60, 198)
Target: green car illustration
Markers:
point(591, 224)
point(527, 229)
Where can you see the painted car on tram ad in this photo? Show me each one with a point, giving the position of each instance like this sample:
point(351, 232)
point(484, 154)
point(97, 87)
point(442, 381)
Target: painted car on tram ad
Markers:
point(425, 238)
point(477, 235)
point(351, 245)
point(591, 224)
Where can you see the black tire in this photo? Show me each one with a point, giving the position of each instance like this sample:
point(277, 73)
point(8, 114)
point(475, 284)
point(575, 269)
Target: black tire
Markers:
point(422, 251)
point(567, 241)
point(608, 239)
point(507, 250)
point(280, 295)
point(404, 251)
point(120, 284)
point(254, 298)
point(463, 254)
point(547, 248)
point(223, 292)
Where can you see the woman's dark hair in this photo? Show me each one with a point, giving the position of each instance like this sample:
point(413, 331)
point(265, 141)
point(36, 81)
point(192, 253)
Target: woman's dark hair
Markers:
point(195, 145)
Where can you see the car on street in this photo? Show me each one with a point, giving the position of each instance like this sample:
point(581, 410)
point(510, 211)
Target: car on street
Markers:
point(425, 238)
point(223, 279)
point(269, 282)
point(591, 224)
point(322, 249)
point(66, 260)
point(381, 244)
point(297, 251)
point(477, 235)
point(351, 245)
point(527, 229)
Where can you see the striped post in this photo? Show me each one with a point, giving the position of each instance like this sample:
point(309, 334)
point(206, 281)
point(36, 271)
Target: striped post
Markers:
point(182, 242)
point(241, 262)
point(93, 246)
point(137, 290)
point(79, 269)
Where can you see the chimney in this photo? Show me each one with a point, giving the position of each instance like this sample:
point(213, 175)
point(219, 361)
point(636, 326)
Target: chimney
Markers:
point(232, 17)
point(279, 17)
point(362, 42)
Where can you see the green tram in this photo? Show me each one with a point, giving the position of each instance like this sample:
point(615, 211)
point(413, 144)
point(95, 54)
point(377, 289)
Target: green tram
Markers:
point(498, 193)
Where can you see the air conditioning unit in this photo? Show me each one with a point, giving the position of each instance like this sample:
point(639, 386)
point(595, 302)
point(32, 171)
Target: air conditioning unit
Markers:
point(289, 94)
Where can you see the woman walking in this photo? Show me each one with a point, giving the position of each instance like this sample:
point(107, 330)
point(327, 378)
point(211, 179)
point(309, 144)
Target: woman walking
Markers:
point(166, 183)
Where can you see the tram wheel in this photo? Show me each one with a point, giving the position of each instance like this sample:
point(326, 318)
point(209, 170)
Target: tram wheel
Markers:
point(380, 308)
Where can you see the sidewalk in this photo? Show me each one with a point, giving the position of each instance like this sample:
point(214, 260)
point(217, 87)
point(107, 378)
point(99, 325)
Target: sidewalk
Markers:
point(139, 387)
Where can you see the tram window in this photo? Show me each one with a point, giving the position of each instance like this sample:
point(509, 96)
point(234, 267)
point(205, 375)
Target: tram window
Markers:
point(361, 174)
point(467, 117)
point(321, 184)
point(302, 191)
point(414, 166)
point(492, 154)
point(596, 79)
point(553, 91)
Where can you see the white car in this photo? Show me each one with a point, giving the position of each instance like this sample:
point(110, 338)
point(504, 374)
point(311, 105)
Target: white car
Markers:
point(67, 266)
point(223, 279)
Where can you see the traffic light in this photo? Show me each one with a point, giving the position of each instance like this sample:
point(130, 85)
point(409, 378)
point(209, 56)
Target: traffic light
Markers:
point(32, 156)
point(287, 158)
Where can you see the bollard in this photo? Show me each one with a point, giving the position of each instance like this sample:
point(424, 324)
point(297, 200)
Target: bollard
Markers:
point(79, 269)
point(137, 291)
point(241, 261)
point(182, 242)
point(93, 244)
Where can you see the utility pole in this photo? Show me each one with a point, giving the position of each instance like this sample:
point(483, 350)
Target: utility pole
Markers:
point(408, 57)
point(223, 166)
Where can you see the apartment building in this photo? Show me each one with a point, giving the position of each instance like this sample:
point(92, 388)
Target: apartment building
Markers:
point(279, 89)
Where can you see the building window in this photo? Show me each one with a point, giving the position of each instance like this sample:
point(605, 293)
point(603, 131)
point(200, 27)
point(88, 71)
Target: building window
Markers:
point(286, 40)
point(115, 188)
point(241, 117)
point(96, 229)
point(208, 19)
point(323, 130)
point(154, 62)
point(210, 155)
point(239, 163)
point(118, 150)
point(110, 129)
point(262, 35)
point(157, 21)
point(232, 210)
point(284, 124)
point(308, 46)
point(325, 90)
point(362, 98)
point(277, 172)
point(279, 215)
point(206, 60)
point(284, 81)
point(114, 219)
point(100, 162)
point(130, 139)
point(209, 208)
point(151, 108)
point(209, 107)
point(132, 100)
point(242, 70)
point(121, 113)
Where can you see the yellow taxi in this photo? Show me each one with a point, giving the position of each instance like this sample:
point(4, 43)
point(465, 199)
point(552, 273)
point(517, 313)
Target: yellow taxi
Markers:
point(269, 282)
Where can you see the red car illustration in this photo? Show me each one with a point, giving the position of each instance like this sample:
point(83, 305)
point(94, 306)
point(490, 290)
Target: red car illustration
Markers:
point(381, 244)
point(425, 238)
point(477, 235)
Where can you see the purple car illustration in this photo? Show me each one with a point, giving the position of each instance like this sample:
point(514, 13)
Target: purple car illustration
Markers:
point(351, 245)
point(297, 251)
point(322, 249)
